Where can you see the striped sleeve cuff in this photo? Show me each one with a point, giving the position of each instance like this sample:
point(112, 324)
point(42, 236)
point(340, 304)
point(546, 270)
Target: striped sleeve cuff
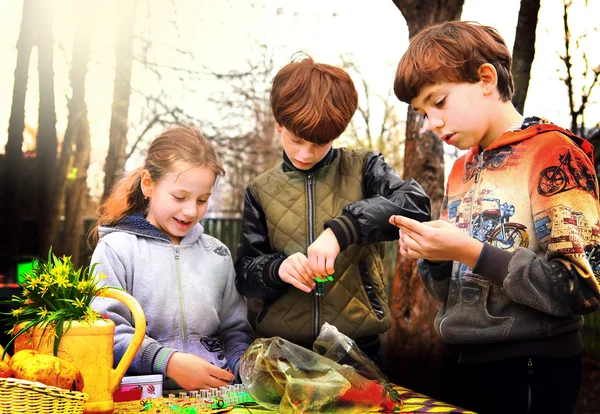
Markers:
point(271, 274)
point(345, 229)
point(156, 357)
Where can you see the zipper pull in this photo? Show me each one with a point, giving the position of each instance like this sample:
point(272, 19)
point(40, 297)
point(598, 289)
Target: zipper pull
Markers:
point(529, 366)
point(320, 291)
point(479, 166)
point(176, 252)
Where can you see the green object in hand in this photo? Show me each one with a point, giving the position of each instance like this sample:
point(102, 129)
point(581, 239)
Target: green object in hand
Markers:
point(320, 282)
point(327, 279)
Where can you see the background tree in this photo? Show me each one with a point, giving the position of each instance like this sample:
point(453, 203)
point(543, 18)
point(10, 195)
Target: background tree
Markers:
point(589, 75)
point(376, 124)
point(119, 126)
point(413, 347)
point(11, 195)
point(524, 50)
point(76, 147)
point(77, 125)
point(245, 135)
point(47, 140)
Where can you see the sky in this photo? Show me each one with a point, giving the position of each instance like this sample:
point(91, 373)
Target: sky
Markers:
point(222, 35)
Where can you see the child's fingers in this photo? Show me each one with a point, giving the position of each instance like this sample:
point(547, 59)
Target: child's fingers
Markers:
point(303, 277)
point(316, 264)
point(221, 373)
point(305, 270)
point(394, 220)
point(330, 265)
point(411, 246)
point(297, 283)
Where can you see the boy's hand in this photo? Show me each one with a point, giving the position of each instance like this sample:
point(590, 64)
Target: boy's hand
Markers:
point(196, 373)
point(295, 271)
point(322, 254)
point(436, 241)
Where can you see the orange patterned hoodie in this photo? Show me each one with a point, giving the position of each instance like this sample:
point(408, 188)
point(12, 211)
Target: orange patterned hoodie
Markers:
point(532, 198)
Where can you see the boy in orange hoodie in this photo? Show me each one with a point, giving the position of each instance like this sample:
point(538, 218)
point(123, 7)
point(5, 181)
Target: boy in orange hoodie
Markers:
point(514, 256)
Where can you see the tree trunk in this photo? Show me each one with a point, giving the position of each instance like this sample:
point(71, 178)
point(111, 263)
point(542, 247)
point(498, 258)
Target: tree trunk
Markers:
point(413, 347)
point(420, 14)
point(77, 191)
point(524, 50)
point(77, 124)
point(116, 157)
point(47, 142)
point(10, 193)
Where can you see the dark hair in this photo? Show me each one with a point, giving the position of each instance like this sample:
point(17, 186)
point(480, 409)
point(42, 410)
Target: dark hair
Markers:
point(183, 145)
point(453, 51)
point(314, 101)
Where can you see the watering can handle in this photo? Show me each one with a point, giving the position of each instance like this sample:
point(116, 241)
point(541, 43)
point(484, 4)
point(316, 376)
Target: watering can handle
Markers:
point(139, 321)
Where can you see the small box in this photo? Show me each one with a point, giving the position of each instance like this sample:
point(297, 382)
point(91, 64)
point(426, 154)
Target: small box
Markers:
point(139, 387)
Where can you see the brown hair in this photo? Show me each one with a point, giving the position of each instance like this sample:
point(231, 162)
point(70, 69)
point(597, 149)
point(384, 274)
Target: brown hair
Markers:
point(314, 101)
point(453, 51)
point(182, 145)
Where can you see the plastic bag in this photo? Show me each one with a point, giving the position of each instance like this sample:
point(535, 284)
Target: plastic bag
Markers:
point(336, 377)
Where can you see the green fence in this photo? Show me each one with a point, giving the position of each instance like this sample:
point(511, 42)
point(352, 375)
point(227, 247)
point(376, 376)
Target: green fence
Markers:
point(226, 230)
point(591, 333)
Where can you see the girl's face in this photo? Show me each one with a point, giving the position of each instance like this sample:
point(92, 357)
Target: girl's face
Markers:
point(178, 200)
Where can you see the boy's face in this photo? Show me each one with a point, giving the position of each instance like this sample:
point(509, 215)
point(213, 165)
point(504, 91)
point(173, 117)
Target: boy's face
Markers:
point(303, 154)
point(457, 112)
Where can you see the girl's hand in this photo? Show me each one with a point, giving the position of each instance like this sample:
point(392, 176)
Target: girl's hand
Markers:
point(436, 241)
point(295, 271)
point(196, 373)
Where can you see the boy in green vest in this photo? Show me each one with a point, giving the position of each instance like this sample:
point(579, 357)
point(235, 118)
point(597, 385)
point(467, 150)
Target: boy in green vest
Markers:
point(319, 216)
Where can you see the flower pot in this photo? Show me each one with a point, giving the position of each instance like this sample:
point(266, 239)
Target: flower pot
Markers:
point(89, 346)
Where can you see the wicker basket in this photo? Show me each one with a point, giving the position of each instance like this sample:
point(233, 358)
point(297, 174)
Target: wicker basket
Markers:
point(21, 396)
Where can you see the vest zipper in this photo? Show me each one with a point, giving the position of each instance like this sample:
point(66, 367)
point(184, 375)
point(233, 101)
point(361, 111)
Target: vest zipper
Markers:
point(178, 275)
point(311, 238)
point(530, 374)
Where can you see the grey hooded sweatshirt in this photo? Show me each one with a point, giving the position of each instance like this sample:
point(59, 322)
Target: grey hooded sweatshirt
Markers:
point(187, 292)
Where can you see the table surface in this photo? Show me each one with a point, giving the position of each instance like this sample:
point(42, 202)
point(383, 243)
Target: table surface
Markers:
point(413, 402)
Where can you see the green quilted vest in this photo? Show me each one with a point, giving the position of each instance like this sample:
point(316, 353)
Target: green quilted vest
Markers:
point(297, 204)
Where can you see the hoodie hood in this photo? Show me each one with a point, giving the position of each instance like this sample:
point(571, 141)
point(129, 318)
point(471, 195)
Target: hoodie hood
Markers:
point(531, 127)
point(137, 225)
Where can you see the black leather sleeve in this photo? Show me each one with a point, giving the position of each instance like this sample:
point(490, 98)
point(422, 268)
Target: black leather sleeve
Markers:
point(366, 221)
point(256, 264)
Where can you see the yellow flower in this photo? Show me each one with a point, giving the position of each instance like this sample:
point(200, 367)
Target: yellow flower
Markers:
point(54, 286)
point(90, 315)
point(43, 312)
point(82, 285)
point(62, 281)
point(52, 331)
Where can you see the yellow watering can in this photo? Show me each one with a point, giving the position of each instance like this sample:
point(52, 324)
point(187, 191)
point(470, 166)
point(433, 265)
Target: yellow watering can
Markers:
point(90, 348)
